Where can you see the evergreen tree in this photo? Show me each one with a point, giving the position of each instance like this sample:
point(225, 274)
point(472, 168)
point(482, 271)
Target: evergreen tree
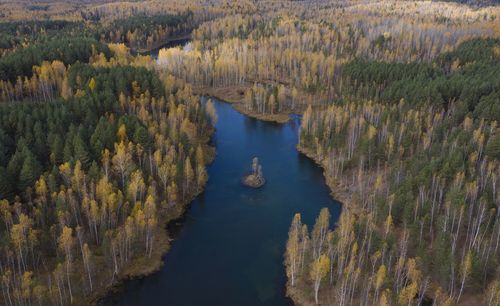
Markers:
point(493, 147)
point(5, 186)
point(29, 173)
point(81, 153)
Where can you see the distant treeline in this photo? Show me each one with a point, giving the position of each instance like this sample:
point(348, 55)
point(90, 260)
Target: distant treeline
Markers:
point(67, 50)
point(145, 31)
point(73, 41)
point(14, 33)
point(35, 139)
point(467, 76)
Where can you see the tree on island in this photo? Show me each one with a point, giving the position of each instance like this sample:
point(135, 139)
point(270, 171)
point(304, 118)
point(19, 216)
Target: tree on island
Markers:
point(256, 168)
point(255, 178)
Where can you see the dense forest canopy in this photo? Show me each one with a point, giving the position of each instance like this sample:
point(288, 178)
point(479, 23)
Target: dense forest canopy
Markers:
point(97, 152)
point(146, 31)
point(467, 76)
point(14, 33)
point(100, 147)
point(67, 50)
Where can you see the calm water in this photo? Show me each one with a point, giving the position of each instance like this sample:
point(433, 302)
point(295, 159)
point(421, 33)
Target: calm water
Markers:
point(171, 44)
point(229, 249)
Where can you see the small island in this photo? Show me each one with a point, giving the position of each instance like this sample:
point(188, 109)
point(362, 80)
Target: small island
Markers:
point(255, 179)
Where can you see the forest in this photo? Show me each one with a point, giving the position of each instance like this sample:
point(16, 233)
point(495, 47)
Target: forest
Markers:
point(97, 152)
point(101, 147)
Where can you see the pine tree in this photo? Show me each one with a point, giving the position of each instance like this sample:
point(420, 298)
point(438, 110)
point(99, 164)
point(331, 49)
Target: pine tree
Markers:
point(14, 167)
point(81, 153)
point(141, 136)
point(30, 172)
point(56, 148)
point(6, 191)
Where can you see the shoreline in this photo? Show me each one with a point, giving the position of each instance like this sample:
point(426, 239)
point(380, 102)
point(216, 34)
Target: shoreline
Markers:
point(234, 95)
point(147, 51)
point(149, 266)
point(145, 266)
point(342, 194)
point(339, 194)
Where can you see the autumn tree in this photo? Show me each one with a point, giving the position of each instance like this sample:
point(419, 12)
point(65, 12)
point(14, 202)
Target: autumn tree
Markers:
point(319, 270)
point(293, 247)
point(66, 242)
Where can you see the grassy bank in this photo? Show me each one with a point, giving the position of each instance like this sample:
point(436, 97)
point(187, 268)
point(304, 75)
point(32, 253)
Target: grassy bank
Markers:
point(235, 96)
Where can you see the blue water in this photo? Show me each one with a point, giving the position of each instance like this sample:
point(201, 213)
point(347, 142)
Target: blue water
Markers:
point(229, 249)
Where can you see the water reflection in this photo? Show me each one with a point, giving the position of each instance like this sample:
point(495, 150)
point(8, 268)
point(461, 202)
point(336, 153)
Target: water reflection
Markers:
point(229, 249)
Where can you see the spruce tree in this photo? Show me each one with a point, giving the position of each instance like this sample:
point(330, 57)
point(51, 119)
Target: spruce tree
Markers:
point(5, 186)
point(81, 153)
point(30, 172)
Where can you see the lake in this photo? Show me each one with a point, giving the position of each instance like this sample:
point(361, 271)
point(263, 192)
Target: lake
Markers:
point(229, 248)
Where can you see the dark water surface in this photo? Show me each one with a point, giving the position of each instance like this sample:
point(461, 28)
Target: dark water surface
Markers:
point(229, 249)
point(170, 44)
